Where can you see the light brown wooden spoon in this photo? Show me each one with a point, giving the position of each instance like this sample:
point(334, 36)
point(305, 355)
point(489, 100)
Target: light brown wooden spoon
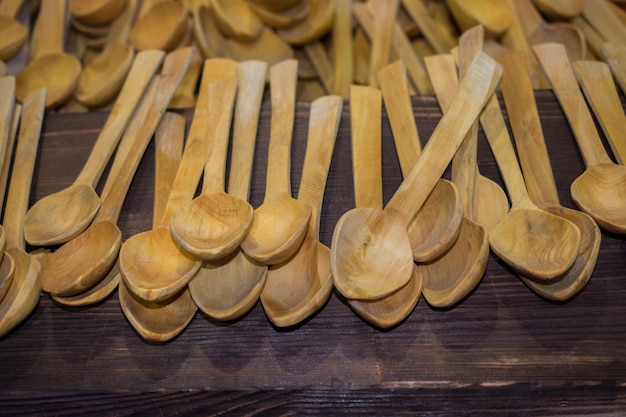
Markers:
point(8, 153)
point(281, 222)
point(205, 31)
point(366, 139)
point(371, 255)
point(61, 216)
point(84, 261)
point(384, 13)
point(51, 68)
point(103, 77)
point(524, 118)
point(615, 56)
point(492, 14)
point(343, 49)
point(560, 9)
point(539, 31)
point(298, 287)
point(161, 321)
point(23, 294)
point(237, 20)
point(13, 34)
point(227, 288)
point(153, 264)
point(602, 18)
point(96, 12)
point(268, 47)
point(598, 85)
point(440, 40)
point(449, 278)
point(283, 17)
point(600, 190)
point(436, 226)
point(213, 224)
point(162, 27)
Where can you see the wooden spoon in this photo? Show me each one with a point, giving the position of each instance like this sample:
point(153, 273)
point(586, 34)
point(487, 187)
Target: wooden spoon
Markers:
point(206, 32)
point(283, 17)
point(343, 49)
point(162, 27)
point(615, 56)
point(436, 226)
point(597, 83)
point(560, 9)
point(298, 287)
point(213, 224)
point(153, 264)
point(60, 217)
point(227, 288)
point(441, 40)
point(281, 222)
point(96, 12)
point(83, 261)
point(51, 68)
point(384, 13)
point(600, 191)
point(103, 77)
point(492, 14)
point(602, 18)
point(317, 23)
point(161, 321)
point(371, 254)
point(365, 113)
point(23, 294)
point(268, 47)
point(524, 117)
point(13, 34)
point(538, 31)
point(5, 163)
point(237, 20)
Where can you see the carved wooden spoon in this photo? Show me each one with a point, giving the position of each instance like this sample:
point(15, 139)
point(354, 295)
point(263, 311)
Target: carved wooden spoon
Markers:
point(492, 14)
point(281, 222)
point(524, 118)
point(23, 294)
point(560, 9)
point(600, 191)
point(371, 255)
point(83, 261)
point(13, 34)
point(365, 110)
point(162, 27)
point(227, 288)
point(597, 83)
point(60, 217)
point(298, 287)
point(615, 55)
point(96, 12)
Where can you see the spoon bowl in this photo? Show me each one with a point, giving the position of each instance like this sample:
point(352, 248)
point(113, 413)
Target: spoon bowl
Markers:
point(13, 35)
point(58, 73)
point(560, 9)
point(7, 269)
point(96, 12)
point(162, 27)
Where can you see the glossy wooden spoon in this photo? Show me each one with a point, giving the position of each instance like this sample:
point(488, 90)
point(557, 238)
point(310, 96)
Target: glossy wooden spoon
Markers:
point(600, 191)
point(371, 255)
point(59, 217)
point(227, 288)
point(598, 85)
point(162, 27)
point(604, 20)
point(96, 12)
point(298, 287)
point(615, 55)
point(103, 77)
point(213, 224)
point(51, 68)
point(539, 31)
point(278, 17)
point(524, 118)
point(436, 226)
point(343, 49)
point(23, 294)
point(560, 9)
point(441, 40)
point(153, 264)
point(365, 111)
point(84, 261)
point(237, 20)
point(492, 14)
point(13, 34)
point(161, 321)
point(281, 222)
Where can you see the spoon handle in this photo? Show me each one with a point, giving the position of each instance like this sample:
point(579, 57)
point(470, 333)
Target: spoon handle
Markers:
point(283, 78)
point(316, 52)
point(23, 167)
point(343, 49)
point(529, 17)
point(476, 87)
point(250, 86)
point(6, 160)
point(599, 87)
point(194, 155)
point(599, 14)
point(394, 86)
point(520, 103)
point(51, 27)
point(441, 41)
point(556, 65)
point(7, 104)
point(615, 56)
point(365, 117)
point(324, 121)
point(120, 27)
point(168, 139)
point(220, 105)
point(384, 12)
point(174, 68)
point(144, 66)
point(10, 7)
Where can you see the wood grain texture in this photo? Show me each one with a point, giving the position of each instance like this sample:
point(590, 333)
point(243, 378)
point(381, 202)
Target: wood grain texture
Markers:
point(503, 351)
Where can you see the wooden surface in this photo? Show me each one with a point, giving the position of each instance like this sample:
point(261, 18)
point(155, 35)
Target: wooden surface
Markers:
point(502, 351)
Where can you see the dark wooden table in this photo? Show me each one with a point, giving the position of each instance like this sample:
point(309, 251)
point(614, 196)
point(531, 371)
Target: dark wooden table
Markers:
point(501, 351)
